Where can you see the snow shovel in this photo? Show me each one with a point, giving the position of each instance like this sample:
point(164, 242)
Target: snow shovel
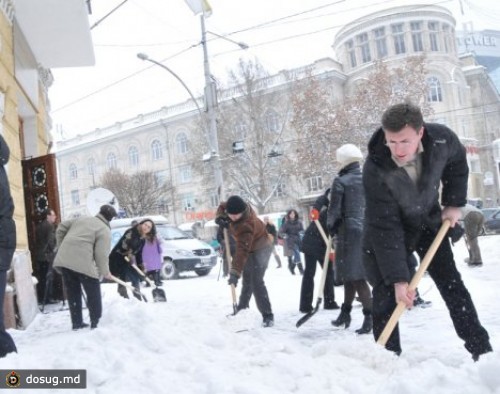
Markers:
point(426, 261)
point(130, 287)
point(158, 294)
point(228, 257)
point(326, 261)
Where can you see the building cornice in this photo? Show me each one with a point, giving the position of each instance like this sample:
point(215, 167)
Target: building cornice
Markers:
point(7, 7)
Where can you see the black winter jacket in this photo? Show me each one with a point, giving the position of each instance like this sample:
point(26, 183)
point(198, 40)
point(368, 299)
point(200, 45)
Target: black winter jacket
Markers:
point(345, 220)
point(313, 243)
point(7, 224)
point(397, 209)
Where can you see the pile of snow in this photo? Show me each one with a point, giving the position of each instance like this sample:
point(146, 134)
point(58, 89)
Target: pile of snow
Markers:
point(189, 345)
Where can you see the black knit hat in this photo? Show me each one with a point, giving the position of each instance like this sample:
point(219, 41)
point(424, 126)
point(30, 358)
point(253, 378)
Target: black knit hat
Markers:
point(235, 205)
point(108, 212)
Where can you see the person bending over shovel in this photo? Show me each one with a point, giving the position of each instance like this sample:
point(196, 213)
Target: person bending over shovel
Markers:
point(407, 163)
point(253, 250)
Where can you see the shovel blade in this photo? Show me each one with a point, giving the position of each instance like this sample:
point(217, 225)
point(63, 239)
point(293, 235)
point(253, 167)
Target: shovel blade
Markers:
point(307, 316)
point(159, 295)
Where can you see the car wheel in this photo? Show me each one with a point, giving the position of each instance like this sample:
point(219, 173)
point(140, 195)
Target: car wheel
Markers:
point(203, 272)
point(169, 270)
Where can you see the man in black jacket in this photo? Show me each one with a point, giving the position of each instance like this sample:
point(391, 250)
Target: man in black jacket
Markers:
point(408, 162)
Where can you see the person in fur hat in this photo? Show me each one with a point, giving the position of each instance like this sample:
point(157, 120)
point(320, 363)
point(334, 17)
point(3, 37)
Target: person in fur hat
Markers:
point(345, 222)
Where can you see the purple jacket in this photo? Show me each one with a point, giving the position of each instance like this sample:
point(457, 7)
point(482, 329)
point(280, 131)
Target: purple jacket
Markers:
point(152, 257)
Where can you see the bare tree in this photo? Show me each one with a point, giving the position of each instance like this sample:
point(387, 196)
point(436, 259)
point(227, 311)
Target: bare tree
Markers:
point(140, 193)
point(322, 124)
point(252, 119)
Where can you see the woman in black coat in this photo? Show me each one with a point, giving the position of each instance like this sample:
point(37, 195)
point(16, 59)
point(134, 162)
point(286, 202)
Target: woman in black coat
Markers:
point(314, 249)
point(291, 231)
point(345, 221)
point(128, 251)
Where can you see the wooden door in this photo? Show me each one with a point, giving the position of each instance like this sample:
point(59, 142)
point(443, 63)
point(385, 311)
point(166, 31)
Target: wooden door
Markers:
point(40, 192)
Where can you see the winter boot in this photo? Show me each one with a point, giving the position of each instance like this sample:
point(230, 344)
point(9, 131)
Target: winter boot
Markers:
point(268, 320)
point(157, 278)
point(291, 267)
point(278, 260)
point(301, 268)
point(344, 317)
point(367, 325)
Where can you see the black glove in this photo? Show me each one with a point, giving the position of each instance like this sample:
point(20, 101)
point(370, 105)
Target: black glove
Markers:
point(222, 221)
point(455, 233)
point(233, 278)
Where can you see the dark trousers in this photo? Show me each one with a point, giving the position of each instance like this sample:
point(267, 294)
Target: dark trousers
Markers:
point(41, 270)
point(7, 344)
point(74, 281)
point(453, 291)
point(307, 288)
point(253, 281)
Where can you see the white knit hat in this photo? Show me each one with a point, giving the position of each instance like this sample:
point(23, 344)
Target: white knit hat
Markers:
point(348, 154)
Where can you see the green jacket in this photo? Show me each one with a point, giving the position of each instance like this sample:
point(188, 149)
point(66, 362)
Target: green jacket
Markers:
point(83, 245)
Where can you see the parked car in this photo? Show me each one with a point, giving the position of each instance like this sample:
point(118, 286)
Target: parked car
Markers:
point(492, 225)
point(181, 252)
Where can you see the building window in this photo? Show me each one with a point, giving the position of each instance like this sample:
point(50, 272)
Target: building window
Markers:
point(433, 36)
point(398, 35)
point(280, 190)
point(181, 143)
point(73, 171)
point(380, 42)
point(214, 199)
point(185, 174)
point(111, 161)
point(416, 36)
point(314, 183)
point(446, 38)
point(187, 201)
point(133, 156)
point(434, 90)
point(75, 198)
point(351, 52)
point(156, 150)
point(240, 129)
point(160, 178)
point(364, 47)
point(91, 167)
point(272, 121)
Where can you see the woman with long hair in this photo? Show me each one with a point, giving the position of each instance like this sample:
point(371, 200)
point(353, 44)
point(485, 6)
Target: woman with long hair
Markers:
point(128, 252)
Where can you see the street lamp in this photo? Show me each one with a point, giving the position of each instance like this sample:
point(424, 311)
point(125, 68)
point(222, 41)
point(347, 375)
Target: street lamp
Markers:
point(145, 57)
point(203, 8)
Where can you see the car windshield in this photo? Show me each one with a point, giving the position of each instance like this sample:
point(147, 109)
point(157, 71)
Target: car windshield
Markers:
point(488, 212)
point(171, 232)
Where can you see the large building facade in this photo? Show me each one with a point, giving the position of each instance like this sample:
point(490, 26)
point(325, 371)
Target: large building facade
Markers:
point(460, 92)
point(34, 37)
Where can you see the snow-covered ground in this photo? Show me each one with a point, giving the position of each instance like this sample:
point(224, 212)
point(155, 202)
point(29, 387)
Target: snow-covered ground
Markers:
point(189, 345)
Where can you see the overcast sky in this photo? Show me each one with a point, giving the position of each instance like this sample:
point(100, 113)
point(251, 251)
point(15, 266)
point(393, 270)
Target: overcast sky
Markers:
point(280, 34)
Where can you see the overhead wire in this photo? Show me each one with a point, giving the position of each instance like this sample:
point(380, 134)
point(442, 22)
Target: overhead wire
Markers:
point(251, 28)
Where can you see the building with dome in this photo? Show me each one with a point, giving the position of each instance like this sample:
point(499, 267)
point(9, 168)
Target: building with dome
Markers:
point(461, 92)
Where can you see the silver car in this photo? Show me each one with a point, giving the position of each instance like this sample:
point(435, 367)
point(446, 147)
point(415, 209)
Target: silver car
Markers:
point(181, 252)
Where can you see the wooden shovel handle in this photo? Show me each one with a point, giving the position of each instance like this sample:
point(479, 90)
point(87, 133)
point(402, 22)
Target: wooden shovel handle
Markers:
point(229, 263)
point(424, 264)
point(142, 274)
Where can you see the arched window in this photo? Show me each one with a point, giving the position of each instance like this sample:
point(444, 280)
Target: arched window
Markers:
point(181, 143)
point(156, 150)
point(133, 156)
point(73, 171)
point(111, 161)
point(91, 166)
point(434, 93)
point(272, 121)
